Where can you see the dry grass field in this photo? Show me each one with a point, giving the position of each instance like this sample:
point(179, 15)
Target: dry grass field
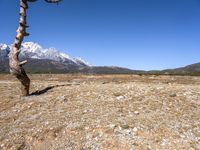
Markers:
point(101, 112)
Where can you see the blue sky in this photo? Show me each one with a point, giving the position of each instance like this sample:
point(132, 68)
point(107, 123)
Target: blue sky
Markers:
point(138, 34)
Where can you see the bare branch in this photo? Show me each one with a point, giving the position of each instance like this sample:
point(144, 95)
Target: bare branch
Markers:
point(23, 63)
point(53, 1)
point(31, 0)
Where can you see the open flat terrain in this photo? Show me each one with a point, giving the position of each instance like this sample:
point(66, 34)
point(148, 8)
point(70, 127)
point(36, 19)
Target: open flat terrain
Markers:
point(101, 112)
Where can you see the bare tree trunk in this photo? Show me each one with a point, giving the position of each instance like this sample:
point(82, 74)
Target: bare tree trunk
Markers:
point(15, 65)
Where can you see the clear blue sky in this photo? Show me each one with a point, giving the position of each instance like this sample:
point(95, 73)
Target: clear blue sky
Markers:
point(138, 34)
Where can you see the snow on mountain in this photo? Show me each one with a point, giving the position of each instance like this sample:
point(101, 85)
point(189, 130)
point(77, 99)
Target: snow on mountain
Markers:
point(35, 51)
point(4, 50)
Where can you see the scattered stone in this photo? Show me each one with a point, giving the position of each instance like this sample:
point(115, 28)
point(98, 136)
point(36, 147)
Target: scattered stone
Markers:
point(160, 88)
point(2, 145)
point(135, 129)
point(173, 95)
point(112, 126)
point(131, 115)
point(136, 112)
point(87, 128)
point(46, 123)
point(128, 131)
point(87, 110)
point(125, 126)
point(62, 98)
point(120, 97)
point(105, 82)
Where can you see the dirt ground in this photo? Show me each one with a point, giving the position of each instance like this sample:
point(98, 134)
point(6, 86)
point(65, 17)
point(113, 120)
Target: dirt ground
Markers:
point(101, 112)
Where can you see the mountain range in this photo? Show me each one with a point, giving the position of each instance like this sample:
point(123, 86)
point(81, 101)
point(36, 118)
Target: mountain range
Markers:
point(51, 60)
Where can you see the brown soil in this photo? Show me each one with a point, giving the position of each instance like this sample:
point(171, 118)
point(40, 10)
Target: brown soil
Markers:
point(107, 112)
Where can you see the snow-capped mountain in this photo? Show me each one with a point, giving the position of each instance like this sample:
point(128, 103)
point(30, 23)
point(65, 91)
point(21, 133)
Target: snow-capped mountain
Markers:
point(50, 60)
point(4, 51)
point(30, 50)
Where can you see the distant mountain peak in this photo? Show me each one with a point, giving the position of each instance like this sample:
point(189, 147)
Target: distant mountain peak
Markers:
point(3, 46)
point(31, 50)
point(32, 47)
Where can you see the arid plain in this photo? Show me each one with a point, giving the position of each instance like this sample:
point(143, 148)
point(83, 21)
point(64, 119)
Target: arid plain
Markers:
point(101, 112)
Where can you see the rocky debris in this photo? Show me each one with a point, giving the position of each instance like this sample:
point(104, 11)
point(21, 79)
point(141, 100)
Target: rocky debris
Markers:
point(62, 98)
point(120, 98)
point(131, 112)
point(173, 95)
point(136, 112)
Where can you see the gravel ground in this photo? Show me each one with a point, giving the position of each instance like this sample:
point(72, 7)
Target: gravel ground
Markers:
point(107, 112)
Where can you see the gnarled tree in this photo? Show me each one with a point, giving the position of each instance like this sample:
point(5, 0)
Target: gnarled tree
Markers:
point(16, 67)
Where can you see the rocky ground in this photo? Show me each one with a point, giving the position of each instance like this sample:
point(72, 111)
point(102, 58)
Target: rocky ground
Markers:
point(107, 112)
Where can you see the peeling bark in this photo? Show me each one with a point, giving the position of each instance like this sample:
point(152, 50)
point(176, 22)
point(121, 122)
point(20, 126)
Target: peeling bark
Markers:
point(15, 65)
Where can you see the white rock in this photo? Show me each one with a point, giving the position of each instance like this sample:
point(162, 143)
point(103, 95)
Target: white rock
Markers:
point(112, 126)
point(120, 97)
point(46, 123)
point(135, 129)
point(136, 112)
